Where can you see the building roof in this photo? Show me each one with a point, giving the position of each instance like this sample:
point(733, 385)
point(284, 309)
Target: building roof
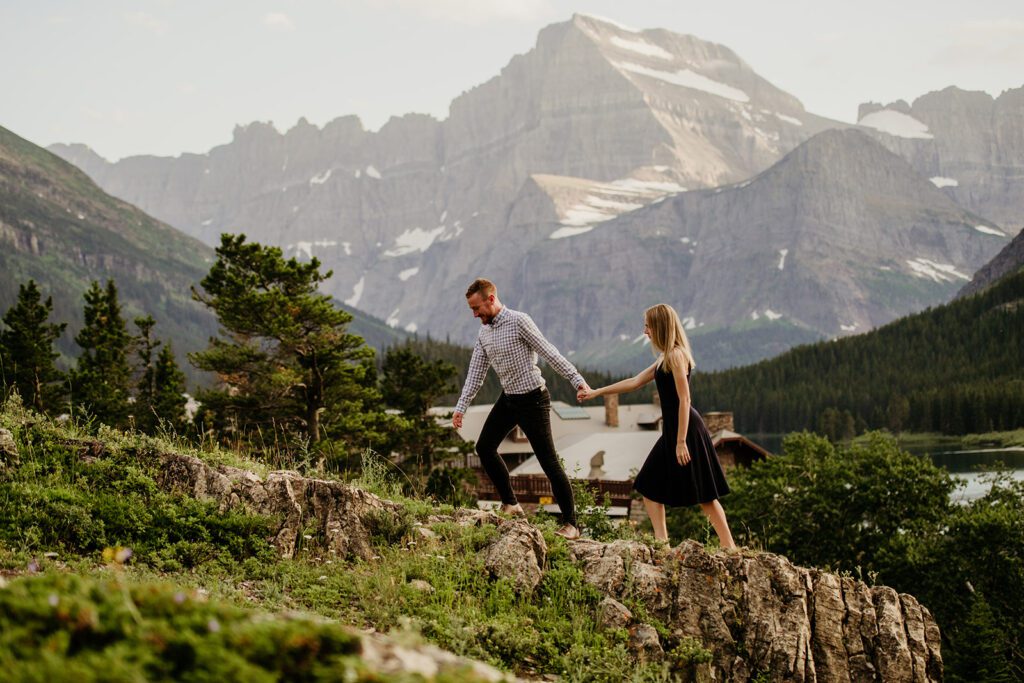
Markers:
point(728, 436)
point(617, 456)
point(564, 430)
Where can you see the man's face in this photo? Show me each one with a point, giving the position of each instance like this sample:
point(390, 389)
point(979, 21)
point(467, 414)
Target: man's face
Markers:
point(483, 307)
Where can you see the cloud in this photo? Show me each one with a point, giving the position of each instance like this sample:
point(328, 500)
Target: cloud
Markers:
point(114, 115)
point(983, 43)
point(146, 21)
point(186, 88)
point(279, 21)
point(474, 12)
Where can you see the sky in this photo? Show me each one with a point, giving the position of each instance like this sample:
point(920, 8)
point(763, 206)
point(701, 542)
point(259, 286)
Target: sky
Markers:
point(171, 76)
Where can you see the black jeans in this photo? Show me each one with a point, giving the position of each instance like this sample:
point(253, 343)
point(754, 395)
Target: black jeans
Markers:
point(532, 412)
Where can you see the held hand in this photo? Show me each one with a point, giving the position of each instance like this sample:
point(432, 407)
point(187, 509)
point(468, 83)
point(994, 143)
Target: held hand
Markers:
point(457, 420)
point(584, 393)
point(682, 454)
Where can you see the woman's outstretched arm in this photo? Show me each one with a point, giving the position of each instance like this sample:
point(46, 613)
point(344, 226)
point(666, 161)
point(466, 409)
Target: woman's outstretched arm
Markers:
point(626, 385)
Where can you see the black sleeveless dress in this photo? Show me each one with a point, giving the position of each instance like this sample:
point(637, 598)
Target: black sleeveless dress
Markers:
point(662, 479)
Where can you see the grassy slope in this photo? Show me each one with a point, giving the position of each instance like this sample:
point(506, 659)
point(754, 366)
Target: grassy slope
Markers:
point(55, 501)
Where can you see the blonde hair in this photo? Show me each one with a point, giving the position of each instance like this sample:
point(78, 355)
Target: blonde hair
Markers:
point(667, 334)
point(481, 286)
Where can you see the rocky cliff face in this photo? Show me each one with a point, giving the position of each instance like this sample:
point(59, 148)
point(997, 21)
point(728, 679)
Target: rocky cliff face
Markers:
point(970, 144)
point(1007, 261)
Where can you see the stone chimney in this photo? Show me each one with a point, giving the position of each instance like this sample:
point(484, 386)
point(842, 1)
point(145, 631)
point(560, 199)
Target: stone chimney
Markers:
point(717, 421)
point(611, 410)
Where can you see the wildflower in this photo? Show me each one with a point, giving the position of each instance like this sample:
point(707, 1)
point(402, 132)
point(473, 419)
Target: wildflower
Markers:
point(179, 598)
point(54, 600)
point(213, 625)
point(33, 566)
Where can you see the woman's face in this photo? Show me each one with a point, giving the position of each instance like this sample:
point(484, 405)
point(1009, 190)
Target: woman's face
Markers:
point(647, 329)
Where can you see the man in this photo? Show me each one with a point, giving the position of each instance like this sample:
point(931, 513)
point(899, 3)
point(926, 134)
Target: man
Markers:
point(510, 342)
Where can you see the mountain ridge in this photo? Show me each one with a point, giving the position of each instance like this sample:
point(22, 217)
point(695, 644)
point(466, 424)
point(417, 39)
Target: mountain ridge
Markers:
point(594, 122)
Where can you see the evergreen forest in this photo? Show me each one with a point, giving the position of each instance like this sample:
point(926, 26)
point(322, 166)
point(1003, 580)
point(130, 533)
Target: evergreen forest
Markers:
point(953, 369)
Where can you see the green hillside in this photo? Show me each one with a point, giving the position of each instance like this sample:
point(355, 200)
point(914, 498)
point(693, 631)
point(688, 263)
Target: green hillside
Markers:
point(955, 369)
point(58, 228)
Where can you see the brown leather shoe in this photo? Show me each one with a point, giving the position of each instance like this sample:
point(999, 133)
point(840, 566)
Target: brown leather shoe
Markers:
point(569, 532)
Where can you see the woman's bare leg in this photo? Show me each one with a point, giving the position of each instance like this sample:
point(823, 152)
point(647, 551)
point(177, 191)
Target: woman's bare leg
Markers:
point(656, 511)
point(716, 514)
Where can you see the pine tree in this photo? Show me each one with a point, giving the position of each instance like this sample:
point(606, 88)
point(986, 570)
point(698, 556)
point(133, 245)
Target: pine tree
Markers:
point(101, 380)
point(412, 385)
point(26, 350)
point(161, 385)
point(285, 360)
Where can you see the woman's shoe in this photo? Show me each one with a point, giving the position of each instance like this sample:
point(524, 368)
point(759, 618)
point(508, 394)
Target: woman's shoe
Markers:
point(569, 532)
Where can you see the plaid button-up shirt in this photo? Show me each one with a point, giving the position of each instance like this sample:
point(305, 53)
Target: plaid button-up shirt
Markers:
point(511, 344)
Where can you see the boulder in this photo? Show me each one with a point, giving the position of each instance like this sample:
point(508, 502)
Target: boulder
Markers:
point(519, 554)
point(8, 449)
point(612, 614)
point(645, 643)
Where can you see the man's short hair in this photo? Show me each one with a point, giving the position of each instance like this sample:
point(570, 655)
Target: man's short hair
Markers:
point(481, 286)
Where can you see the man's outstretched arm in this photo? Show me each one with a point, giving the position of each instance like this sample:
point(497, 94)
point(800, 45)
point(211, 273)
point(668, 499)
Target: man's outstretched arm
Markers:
point(531, 334)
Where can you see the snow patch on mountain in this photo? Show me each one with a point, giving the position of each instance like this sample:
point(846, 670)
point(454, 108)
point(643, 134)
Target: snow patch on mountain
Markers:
point(687, 79)
point(306, 248)
point(357, 293)
point(989, 231)
point(939, 181)
point(939, 272)
point(897, 124)
point(392, 320)
point(416, 239)
point(320, 178)
point(610, 22)
point(642, 47)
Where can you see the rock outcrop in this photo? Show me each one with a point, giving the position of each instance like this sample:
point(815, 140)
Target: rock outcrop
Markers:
point(756, 613)
point(344, 516)
point(8, 449)
point(384, 656)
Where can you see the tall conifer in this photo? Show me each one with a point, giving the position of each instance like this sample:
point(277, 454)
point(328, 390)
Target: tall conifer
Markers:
point(26, 350)
point(102, 378)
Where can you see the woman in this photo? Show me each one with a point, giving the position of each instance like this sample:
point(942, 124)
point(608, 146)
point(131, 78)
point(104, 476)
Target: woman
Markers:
point(682, 468)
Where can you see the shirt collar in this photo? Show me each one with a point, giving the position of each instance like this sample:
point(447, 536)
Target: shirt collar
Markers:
point(500, 318)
